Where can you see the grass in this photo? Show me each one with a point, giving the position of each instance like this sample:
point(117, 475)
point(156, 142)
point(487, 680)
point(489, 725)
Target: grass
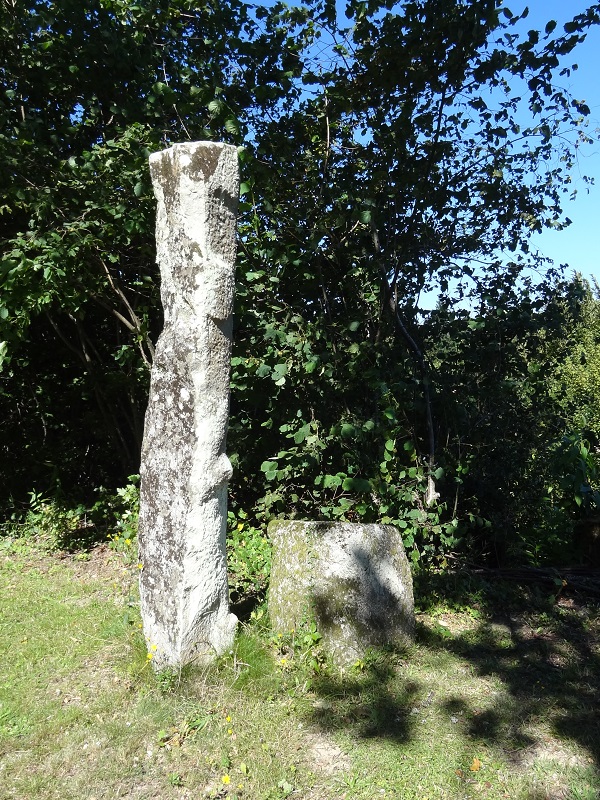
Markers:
point(497, 698)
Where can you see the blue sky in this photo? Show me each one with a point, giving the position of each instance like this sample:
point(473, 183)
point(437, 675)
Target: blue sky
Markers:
point(579, 244)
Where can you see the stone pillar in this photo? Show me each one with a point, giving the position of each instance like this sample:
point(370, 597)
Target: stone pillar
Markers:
point(184, 469)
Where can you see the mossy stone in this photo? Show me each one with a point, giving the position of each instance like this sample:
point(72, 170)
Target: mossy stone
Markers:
point(352, 581)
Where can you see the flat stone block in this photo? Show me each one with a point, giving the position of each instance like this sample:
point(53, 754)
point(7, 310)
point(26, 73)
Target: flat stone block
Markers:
point(353, 581)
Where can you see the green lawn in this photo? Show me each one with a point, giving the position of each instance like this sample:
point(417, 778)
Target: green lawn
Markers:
point(498, 699)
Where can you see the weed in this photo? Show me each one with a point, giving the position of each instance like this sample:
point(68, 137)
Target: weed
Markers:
point(300, 648)
point(119, 512)
point(50, 525)
point(168, 680)
point(175, 779)
point(248, 558)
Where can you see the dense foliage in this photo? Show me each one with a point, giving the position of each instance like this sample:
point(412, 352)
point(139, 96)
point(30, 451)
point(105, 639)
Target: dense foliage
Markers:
point(411, 148)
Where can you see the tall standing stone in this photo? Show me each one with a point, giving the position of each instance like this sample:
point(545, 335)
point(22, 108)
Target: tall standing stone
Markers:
point(184, 469)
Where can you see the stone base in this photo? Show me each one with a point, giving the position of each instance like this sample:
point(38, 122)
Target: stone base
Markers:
point(353, 581)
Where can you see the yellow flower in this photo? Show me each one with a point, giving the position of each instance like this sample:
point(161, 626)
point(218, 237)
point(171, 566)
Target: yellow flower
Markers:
point(230, 731)
point(240, 526)
point(226, 779)
point(150, 656)
point(228, 718)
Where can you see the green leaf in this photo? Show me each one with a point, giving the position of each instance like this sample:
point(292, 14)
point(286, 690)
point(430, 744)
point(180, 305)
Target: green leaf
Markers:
point(358, 485)
point(280, 369)
point(301, 434)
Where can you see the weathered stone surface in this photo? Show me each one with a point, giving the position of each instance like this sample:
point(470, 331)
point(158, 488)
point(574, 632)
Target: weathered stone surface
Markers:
point(184, 469)
point(353, 581)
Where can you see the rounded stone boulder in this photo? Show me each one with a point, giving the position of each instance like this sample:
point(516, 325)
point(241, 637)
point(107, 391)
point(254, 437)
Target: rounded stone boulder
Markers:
point(352, 581)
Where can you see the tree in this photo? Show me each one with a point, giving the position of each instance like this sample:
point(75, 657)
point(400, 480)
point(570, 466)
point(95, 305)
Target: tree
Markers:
point(88, 92)
point(503, 418)
point(578, 378)
point(434, 142)
point(415, 147)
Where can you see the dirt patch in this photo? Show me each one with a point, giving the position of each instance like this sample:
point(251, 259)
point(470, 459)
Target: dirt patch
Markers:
point(325, 756)
point(99, 564)
point(550, 750)
point(453, 622)
point(100, 677)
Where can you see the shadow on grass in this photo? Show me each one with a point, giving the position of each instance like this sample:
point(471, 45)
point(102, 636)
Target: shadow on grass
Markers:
point(369, 702)
point(546, 655)
point(83, 539)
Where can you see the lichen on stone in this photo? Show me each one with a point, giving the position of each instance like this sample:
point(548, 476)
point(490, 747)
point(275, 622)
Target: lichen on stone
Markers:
point(351, 581)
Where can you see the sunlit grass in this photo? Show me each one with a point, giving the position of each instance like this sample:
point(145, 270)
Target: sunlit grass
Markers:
point(480, 706)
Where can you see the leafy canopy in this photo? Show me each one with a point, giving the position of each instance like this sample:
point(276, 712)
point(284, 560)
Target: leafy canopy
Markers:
point(406, 147)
